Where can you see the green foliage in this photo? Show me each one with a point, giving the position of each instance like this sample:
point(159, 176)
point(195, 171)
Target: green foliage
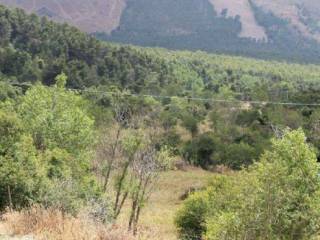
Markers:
point(191, 218)
point(10, 130)
point(61, 80)
point(62, 56)
point(18, 161)
point(21, 173)
point(190, 123)
point(276, 198)
point(238, 155)
point(208, 150)
point(7, 91)
point(63, 194)
point(165, 158)
point(200, 150)
point(46, 135)
point(56, 118)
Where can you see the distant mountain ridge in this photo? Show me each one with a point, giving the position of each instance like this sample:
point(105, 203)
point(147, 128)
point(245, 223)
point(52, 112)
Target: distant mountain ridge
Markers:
point(286, 29)
point(88, 15)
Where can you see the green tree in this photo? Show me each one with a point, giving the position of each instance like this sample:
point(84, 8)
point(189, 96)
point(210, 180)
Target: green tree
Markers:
point(283, 190)
point(5, 31)
point(57, 118)
point(46, 136)
point(22, 174)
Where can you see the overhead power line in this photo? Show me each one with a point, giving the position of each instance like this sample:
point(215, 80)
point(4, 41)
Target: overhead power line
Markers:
point(199, 99)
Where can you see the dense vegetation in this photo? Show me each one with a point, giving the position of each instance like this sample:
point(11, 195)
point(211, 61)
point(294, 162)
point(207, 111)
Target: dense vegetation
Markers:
point(46, 138)
point(98, 122)
point(195, 25)
point(51, 153)
point(276, 198)
point(35, 50)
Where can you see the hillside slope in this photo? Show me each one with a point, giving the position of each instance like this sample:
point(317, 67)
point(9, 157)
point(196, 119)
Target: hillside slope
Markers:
point(104, 15)
point(289, 29)
point(34, 49)
point(90, 16)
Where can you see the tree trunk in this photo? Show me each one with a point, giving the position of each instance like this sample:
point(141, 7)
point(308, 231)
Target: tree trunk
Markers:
point(135, 203)
point(136, 220)
point(132, 214)
point(120, 186)
point(125, 195)
point(123, 175)
point(10, 199)
point(113, 154)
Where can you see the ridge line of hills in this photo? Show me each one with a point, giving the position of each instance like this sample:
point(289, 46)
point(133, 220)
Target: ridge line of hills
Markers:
point(257, 28)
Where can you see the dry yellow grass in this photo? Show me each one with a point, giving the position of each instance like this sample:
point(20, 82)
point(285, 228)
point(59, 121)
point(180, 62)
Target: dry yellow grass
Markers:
point(51, 224)
point(157, 218)
point(158, 214)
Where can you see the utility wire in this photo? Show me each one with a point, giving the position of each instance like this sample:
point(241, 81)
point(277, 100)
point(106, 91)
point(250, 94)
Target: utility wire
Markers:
point(197, 98)
point(208, 100)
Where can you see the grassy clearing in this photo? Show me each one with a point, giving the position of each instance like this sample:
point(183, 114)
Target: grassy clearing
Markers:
point(158, 215)
point(156, 222)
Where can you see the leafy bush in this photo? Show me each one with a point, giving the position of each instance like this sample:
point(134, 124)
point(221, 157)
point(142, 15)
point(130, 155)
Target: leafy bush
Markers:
point(208, 150)
point(200, 149)
point(63, 195)
point(276, 198)
point(46, 137)
point(190, 219)
point(239, 155)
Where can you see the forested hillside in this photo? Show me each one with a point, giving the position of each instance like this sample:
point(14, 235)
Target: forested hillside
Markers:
point(90, 126)
point(269, 29)
point(35, 49)
point(197, 25)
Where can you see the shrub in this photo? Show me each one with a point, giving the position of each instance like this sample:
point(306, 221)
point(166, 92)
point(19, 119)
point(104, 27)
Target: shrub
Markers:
point(190, 219)
point(199, 150)
point(239, 155)
point(46, 135)
point(276, 198)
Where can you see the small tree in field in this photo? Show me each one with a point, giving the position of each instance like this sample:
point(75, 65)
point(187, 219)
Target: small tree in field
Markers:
point(109, 147)
point(145, 169)
point(130, 145)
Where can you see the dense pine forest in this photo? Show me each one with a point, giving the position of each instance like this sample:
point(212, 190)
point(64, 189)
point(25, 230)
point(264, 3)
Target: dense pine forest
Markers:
point(86, 124)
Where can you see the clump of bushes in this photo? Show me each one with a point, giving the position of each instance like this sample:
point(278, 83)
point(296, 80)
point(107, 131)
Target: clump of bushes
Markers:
point(275, 198)
point(208, 150)
point(46, 138)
